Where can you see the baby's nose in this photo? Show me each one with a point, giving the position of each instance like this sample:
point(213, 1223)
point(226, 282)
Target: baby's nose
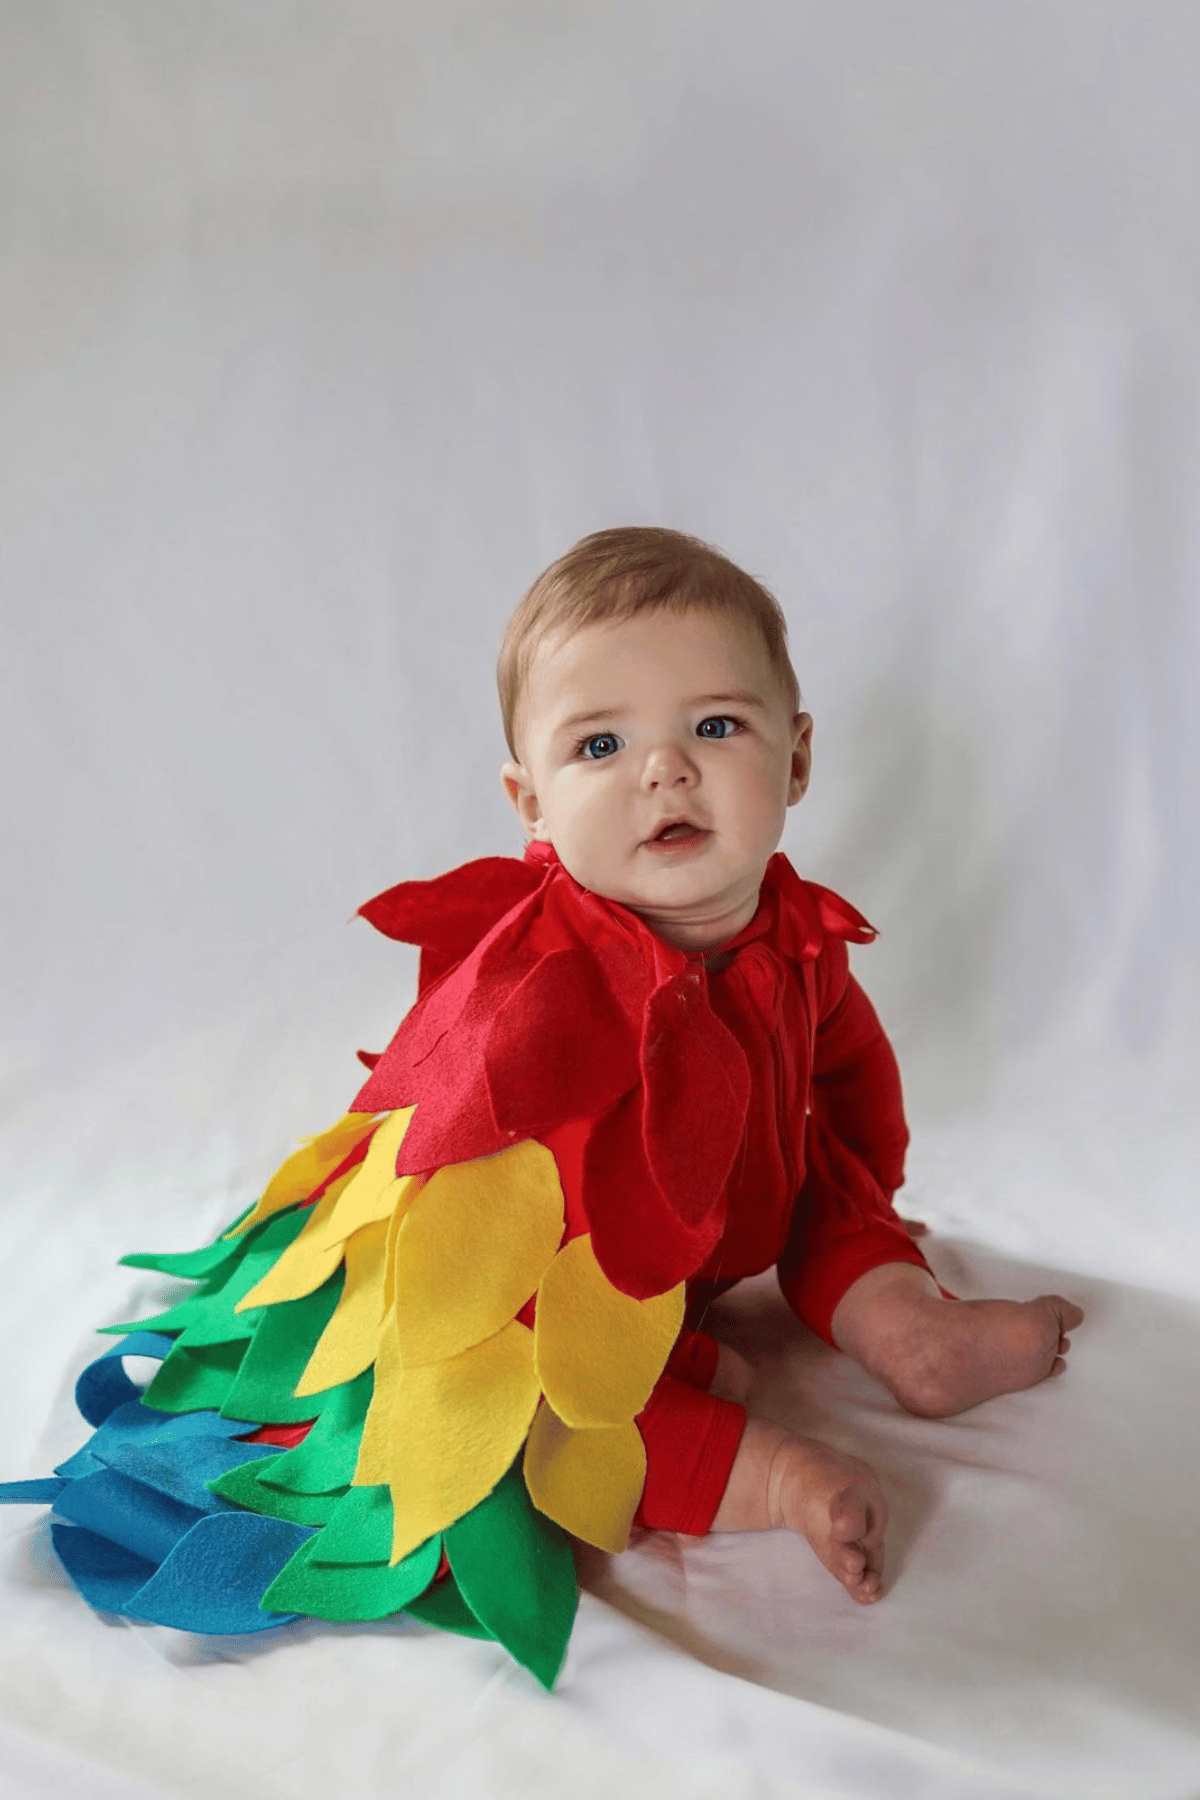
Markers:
point(668, 766)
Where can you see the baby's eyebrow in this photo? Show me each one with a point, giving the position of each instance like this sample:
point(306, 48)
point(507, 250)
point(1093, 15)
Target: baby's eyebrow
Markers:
point(592, 717)
point(740, 698)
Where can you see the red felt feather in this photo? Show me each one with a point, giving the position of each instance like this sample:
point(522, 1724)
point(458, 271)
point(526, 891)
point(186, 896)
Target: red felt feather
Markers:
point(559, 1047)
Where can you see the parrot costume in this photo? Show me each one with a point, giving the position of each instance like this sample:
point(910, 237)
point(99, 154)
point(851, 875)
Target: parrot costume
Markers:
point(457, 1328)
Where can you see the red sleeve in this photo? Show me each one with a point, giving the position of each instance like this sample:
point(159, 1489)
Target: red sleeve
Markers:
point(856, 1136)
point(691, 1441)
point(856, 1080)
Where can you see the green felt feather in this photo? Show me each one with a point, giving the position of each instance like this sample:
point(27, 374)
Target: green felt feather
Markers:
point(443, 1605)
point(199, 1380)
point(360, 1531)
point(193, 1265)
point(208, 1316)
point(325, 1461)
point(283, 1341)
point(219, 1321)
point(243, 1485)
point(516, 1573)
point(364, 1591)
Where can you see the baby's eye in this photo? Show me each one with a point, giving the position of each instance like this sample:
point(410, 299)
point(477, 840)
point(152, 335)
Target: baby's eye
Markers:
point(600, 744)
point(719, 726)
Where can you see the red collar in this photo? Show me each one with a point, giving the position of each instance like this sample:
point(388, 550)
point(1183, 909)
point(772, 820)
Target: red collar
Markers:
point(795, 914)
point(449, 915)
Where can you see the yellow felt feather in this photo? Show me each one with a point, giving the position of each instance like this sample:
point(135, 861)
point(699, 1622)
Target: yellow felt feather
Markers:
point(389, 1262)
point(378, 1449)
point(349, 1342)
point(306, 1262)
point(441, 1436)
point(472, 1248)
point(598, 1352)
point(589, 1481)
point(307, 1167)
point(376, 1189)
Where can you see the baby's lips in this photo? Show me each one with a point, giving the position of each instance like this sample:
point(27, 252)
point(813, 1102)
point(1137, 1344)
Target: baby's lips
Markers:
point(667, 825)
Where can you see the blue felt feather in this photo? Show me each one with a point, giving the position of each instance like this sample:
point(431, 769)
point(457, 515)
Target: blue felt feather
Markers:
point(214, 1578)
point(136, 1423)
point(136, 1527)
point(181, 1471)
point(104, 1385)
point(30, 1493)
point(106, 1575)
point(146, 1523)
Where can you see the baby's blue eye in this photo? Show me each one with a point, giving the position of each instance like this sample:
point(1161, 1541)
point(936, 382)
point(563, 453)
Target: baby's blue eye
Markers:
point(600, 744)
point(716, 727)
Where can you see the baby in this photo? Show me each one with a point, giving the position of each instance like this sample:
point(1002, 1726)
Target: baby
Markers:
point(657, 742)
point(462, 1326)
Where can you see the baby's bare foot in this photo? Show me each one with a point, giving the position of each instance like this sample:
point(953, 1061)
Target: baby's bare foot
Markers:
point(836, 1502)
point(833, 1500)
point(941, 1357)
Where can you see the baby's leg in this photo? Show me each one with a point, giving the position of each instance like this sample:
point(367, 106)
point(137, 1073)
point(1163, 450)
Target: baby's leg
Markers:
point(942, 1356)
point(832, 1499)
point(734, 1376)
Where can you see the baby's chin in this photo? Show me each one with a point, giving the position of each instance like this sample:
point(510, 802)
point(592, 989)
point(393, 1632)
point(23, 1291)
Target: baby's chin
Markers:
point(693, 916)
point(647, 884)
point(694, 893)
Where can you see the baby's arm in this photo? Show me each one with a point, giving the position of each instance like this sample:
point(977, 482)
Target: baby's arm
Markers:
point(852, 1270)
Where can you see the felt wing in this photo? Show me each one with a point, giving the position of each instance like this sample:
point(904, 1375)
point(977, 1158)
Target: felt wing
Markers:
point(449, 915)
point(387, 1392)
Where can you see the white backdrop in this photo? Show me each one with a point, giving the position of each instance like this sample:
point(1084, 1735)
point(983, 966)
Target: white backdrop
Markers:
point(323, 328)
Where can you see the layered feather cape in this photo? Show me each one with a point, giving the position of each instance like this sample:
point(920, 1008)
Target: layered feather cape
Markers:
point(411, 1371)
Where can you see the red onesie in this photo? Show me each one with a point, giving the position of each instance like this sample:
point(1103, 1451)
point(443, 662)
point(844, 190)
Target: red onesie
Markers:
point(706, 1124)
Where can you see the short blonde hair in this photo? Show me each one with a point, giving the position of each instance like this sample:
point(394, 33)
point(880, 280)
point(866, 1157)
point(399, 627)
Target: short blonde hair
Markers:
point(613, 575)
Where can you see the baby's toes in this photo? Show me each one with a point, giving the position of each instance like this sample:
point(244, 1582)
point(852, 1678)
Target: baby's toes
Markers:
point(850, 1565)
point(849, 1516)
point(860, 1577)
point(849, 1562)
point(1069, 1315)
point(1045, 1326)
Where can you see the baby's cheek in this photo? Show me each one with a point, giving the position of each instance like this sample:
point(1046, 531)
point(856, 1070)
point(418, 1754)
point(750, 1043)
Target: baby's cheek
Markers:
point(596, 841)
point(762, 823)
point(601, 845)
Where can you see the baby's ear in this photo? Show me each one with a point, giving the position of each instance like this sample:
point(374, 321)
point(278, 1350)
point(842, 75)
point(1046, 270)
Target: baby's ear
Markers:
point(516, 783)
point(802, 727)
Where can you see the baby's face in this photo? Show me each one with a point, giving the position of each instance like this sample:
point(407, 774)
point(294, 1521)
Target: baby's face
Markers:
point(659, 757)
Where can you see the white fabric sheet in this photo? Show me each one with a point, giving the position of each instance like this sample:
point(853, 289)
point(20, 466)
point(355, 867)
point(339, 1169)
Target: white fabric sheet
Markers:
point(322, 330)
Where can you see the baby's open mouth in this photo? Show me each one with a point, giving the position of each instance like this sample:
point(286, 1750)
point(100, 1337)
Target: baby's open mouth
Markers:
point(678, 831)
